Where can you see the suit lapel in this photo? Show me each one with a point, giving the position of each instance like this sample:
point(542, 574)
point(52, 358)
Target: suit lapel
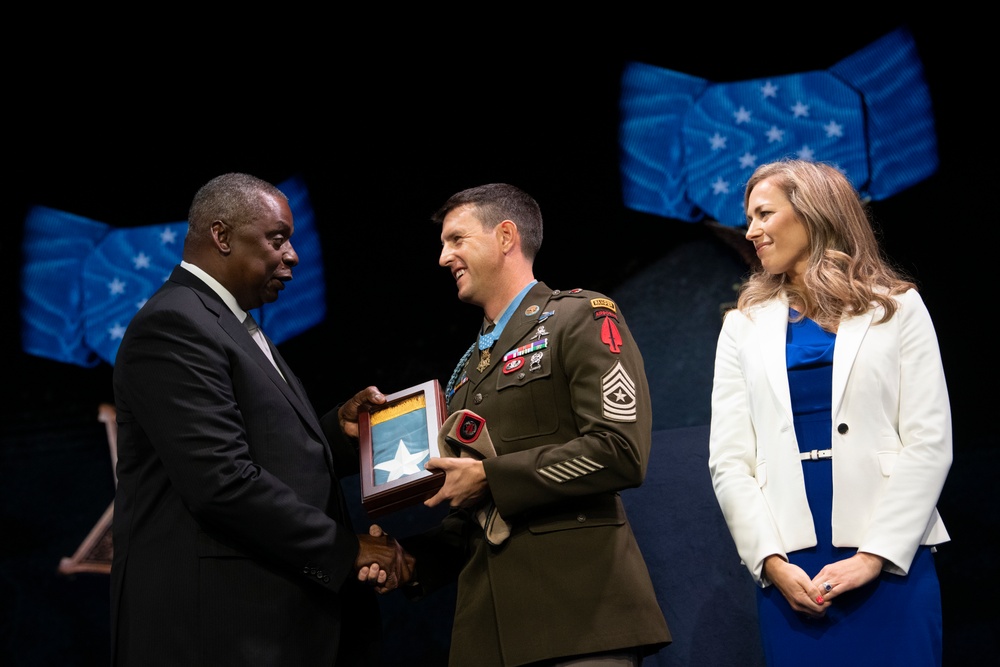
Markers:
point(772, 323)
point(295, 396)
point(290, 379)
point(772, 326)
point(850, 334)
point(290, 387)
point(227, 320)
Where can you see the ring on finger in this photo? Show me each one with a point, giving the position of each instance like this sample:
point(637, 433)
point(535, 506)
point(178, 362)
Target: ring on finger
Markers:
point(827, 587)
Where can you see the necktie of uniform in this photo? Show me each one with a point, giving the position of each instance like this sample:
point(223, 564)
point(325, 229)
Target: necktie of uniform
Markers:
point(255, 332)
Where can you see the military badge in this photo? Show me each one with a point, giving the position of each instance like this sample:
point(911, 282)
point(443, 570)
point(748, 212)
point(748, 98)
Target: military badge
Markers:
point(618, 395)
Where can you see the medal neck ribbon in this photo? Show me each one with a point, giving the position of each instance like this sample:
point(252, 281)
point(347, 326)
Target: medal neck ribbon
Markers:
point(486, 340)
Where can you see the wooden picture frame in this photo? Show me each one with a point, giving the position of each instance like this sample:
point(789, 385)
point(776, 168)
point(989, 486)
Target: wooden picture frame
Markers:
point(396, 439)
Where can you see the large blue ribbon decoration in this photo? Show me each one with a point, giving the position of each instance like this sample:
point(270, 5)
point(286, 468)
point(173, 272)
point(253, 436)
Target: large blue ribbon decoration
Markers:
point(688, 145)
point(82, 280)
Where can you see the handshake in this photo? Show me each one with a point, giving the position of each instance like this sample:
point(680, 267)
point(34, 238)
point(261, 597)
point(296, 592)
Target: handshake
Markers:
point(382, 562)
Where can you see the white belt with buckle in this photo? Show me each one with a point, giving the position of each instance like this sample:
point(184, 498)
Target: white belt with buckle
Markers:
point(816, 455)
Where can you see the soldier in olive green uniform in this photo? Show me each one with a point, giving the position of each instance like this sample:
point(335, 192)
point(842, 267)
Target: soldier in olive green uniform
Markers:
point(550, 567)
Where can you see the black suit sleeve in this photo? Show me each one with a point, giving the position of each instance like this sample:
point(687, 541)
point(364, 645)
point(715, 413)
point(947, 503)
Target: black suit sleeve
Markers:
point(346, 458)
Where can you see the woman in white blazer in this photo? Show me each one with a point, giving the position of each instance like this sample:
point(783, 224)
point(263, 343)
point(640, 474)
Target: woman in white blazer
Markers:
point(831, 431)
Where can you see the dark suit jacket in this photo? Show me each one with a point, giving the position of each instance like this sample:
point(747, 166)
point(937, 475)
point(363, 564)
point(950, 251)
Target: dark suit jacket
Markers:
point(232, 541)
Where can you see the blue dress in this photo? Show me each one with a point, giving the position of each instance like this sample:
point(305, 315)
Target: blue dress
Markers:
point(893, 620)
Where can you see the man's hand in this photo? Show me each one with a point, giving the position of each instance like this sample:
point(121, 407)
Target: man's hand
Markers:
point(464, 481)
point(347, 415)
point(382, 562)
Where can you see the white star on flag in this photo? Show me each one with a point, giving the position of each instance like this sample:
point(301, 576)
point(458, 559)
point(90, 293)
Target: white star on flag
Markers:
point(800, 110)
point(404, 463)
point(141, 261)
point(834, 129)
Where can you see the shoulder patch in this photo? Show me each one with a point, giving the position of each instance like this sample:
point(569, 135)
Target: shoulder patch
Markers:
point(610, 335)
point(604, 303)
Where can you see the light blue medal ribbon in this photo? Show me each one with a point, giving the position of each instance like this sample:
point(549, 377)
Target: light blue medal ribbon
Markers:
point(486, 341)
point(450, 388)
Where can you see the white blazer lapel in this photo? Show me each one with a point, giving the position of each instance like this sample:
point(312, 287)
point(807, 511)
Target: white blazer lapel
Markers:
point(772, 326)
point(850, 334)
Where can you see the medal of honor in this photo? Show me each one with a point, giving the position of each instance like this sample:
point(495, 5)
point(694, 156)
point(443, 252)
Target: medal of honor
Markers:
point(487, 339)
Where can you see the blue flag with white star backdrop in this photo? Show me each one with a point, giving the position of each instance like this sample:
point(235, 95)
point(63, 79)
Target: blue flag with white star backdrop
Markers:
point(83, 280)
point(688, 145)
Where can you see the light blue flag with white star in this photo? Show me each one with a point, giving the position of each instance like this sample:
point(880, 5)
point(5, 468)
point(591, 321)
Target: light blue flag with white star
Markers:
point(82, 280)
point(688, 145)
point(400, 444)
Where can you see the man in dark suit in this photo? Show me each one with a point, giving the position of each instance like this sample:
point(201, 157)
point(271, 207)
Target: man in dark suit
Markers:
point(232, 539)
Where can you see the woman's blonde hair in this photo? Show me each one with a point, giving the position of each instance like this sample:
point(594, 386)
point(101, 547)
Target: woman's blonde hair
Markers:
point(847, 273)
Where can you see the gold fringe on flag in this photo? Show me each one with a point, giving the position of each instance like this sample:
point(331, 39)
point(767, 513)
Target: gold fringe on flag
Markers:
point(401, 408)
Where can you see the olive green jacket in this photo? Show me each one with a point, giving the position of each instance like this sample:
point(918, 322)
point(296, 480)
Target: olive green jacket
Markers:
point(567, 406)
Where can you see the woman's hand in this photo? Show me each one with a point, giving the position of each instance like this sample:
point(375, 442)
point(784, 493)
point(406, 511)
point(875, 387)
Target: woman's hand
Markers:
point(848, 574)
point(802, 594)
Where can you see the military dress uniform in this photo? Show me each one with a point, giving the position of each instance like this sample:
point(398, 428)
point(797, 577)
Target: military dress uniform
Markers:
point(566, 404)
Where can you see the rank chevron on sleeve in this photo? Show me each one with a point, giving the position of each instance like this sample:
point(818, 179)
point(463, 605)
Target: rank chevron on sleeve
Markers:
point(618, 392)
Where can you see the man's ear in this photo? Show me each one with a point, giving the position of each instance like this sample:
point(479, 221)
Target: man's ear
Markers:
point(221, 236)
point(507, 234)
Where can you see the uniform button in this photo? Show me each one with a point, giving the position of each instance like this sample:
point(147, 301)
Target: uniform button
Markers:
point(477, 399)
point(842, 429)
point(581, 517)
point(305, 570)
point(520, 376)
point(320, 574)
point(326, 579)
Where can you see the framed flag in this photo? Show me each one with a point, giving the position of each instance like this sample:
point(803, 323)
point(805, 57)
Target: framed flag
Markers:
point(396, 439)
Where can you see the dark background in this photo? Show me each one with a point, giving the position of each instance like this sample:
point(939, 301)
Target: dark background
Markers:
point(383, 124)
